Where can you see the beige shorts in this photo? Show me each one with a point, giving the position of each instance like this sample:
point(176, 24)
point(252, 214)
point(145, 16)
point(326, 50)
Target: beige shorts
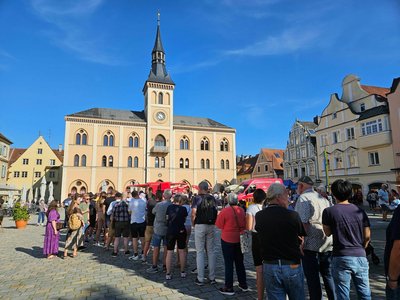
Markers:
point(148, 234)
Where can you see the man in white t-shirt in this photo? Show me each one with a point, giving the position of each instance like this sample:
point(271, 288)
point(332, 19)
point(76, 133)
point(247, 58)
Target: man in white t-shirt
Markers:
point(137, 209)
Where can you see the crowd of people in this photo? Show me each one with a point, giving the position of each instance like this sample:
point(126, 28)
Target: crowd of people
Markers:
point(314, 236)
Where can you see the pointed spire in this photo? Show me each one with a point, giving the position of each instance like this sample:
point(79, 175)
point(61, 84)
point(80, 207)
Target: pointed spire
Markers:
point(158, 71)
point(158, 47)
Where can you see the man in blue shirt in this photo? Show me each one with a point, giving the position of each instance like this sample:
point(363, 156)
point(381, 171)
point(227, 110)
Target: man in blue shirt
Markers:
point(383, 197)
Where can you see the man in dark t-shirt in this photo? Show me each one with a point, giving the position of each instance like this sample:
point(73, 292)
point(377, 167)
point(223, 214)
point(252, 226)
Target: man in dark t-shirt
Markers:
point(280, 234)
point(350, 228)
point(392, 257)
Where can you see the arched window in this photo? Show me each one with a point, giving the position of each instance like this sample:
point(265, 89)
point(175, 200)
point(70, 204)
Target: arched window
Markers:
point(184, 143)
point(133, 141)
point(105, 140)
point(162, 162)
point(136, 142)
point(222, 164)
point(156, 162)
point(181, 163)
point(223, 146)
point(160, 98)
point(83, 160)
point(202, 163)
point(159, 141)
point(187, 163)
point(227, 164)
point(76, 160)
point(129, 161)
point(204, 144)
point(78, 139)
point(110, 161)
point(84, 139)
point(104, 161)
point(136, 162)
point(207, 163)
point(111, 140)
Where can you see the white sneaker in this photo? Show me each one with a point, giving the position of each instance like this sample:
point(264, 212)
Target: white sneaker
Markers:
point(134, 257)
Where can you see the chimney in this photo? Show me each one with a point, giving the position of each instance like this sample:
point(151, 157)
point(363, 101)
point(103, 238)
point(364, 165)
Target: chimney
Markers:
point(60, 147)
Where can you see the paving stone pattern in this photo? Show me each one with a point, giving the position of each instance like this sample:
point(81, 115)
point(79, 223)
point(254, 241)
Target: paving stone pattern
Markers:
point(94, 274)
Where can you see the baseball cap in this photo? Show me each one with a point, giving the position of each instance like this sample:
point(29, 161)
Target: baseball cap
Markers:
point(306, 180)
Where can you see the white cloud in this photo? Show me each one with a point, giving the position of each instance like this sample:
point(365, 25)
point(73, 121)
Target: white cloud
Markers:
point(70, 31)
point(291, 40)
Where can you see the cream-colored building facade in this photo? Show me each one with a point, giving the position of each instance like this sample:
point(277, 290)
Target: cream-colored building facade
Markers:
point(28, 166)
point(394, 106)
point(122, 147)
point(4, 159)
point(354, 138)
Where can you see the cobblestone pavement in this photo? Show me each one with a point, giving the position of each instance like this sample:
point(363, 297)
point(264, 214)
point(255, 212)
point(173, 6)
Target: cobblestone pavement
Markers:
point(94, 274)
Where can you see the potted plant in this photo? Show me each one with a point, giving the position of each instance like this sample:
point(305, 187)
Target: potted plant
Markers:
point(20, 215)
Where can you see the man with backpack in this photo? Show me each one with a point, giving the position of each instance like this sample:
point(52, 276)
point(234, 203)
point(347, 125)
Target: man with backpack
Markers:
point(204, 215)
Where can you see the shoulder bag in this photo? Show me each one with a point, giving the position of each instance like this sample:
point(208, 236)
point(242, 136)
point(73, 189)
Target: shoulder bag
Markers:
point(245, 237)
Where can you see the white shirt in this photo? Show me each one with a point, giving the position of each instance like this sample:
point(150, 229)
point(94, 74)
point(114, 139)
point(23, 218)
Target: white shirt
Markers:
point(137, 207)
point(252, 210)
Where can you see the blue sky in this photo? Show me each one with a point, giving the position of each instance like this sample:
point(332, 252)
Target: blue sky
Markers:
point(252, 65)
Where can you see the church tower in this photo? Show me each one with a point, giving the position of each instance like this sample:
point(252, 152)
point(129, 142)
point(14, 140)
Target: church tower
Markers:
point(158, 106)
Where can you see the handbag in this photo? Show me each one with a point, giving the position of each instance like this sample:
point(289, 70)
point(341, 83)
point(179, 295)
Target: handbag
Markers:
point(59, 226)
point(245, 237)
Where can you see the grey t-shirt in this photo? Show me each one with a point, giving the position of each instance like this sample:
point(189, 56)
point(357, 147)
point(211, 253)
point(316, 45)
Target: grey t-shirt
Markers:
point(160, 222)
point(310, 206)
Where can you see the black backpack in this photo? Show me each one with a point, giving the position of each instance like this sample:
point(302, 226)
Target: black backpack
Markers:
point(207, 210)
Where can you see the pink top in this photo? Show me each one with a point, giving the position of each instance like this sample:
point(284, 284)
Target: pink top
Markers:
point(226, 221)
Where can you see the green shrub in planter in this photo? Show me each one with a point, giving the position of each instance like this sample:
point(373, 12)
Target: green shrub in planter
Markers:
point(20, 212)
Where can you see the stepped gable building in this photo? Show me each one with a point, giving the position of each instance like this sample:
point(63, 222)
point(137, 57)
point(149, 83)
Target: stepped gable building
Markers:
point(301, 154)
point(354, 137)
point(28, 166)
point(123, 147)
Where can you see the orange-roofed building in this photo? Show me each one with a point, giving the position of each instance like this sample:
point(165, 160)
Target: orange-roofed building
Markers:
point(269, 163)
point(354, 137)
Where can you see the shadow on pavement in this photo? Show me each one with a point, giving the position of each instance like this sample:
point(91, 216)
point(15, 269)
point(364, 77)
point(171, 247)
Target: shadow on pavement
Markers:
point(36, 252)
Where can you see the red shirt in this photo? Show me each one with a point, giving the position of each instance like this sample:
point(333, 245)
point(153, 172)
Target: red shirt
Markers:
point(226, 221)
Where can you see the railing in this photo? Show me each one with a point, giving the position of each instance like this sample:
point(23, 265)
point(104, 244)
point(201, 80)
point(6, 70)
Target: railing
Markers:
point(159, 149)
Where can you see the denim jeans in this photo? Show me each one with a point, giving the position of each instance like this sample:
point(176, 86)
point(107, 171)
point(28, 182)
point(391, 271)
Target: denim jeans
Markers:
point(345, 268)
point(41, 217)
point(282, 280)
point(392, 294)
point(315, 263)
point(233, 254)
point(204, 236)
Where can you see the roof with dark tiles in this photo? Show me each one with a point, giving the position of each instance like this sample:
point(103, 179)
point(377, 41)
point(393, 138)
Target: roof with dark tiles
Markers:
point(139, 116)
point(373, 112)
